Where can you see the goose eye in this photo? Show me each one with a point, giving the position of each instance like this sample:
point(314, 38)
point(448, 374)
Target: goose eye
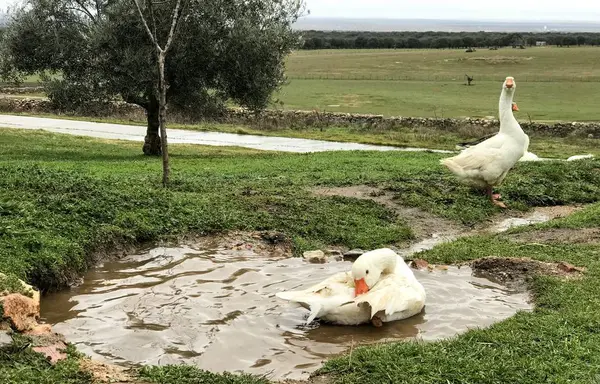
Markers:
point(367, 271)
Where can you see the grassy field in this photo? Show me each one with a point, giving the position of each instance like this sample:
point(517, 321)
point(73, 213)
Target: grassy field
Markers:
point(66, 197)
point(553, 83)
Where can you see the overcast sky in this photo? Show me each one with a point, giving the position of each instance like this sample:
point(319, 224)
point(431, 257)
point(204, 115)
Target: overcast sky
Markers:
point(459, 9)
point(562, 10)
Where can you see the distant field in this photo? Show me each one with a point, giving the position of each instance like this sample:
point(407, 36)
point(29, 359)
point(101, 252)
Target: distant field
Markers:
point(553, 83)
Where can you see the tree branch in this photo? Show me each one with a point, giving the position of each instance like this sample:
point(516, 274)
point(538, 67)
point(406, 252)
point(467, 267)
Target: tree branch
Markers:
point(153, 19)
point(174, 24)
point(148, 31)
point(85, 10)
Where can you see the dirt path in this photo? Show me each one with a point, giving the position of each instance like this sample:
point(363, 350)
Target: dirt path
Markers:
point(179, 136)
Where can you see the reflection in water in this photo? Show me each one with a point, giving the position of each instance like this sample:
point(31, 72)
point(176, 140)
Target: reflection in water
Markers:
point(217, 309)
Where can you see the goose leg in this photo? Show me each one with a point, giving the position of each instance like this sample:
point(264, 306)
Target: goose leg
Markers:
point(494, 198)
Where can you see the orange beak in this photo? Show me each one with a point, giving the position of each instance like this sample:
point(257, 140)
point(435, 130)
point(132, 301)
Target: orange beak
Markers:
point(515, 107)
point(510, 83)
point(360, 287)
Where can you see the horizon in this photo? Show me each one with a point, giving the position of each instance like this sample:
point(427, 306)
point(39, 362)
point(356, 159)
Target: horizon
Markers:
point(479, 20)
point(471, 10)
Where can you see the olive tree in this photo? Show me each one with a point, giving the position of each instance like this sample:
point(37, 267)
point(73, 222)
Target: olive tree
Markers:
point(224, 50)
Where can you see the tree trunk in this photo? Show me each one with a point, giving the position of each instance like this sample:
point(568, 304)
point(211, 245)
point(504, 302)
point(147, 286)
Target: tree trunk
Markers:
point(162, 115)
point(152, 142)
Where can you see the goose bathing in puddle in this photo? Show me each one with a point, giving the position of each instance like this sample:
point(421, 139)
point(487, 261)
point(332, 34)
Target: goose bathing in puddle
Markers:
point(380, 288)
point(486, 164)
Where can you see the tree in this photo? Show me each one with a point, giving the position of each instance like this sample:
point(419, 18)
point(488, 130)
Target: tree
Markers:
point(161, 55)
point(226, 50)
point(469, 41)
point(581, 40)
point(413, 42)
point(569, 40)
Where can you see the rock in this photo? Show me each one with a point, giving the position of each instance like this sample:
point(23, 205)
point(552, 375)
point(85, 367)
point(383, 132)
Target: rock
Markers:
point(21, 311)
point(353, 254)
point(419, 264)
point(334, 255)
point(315, 257)
point(54, 353)
point(274, 237)
point(106, 373)
point(5, 339)
point(40, 330)
point(569, 268)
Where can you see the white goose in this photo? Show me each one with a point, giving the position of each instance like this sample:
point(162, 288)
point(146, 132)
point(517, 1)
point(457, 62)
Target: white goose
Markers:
point(379, 289)
point(486, 164)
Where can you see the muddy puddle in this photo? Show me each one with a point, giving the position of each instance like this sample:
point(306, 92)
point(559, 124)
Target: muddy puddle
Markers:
point(215, 308)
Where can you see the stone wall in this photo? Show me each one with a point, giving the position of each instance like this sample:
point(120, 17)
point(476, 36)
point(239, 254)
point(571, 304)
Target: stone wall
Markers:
point(272, 119)
point(21, 90)
point(282, 118)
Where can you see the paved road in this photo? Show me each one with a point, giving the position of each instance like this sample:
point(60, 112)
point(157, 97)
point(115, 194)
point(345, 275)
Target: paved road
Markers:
point(179, 136)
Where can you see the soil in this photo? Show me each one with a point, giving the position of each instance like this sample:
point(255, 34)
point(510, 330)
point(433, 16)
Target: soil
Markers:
point(560, 236)
point(516, 273)
point(507, 219)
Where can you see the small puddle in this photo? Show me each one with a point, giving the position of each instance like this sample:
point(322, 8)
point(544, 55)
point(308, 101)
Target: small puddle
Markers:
point(216, 309)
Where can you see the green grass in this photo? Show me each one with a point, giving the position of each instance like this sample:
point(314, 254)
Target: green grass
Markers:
point(532, 64)
point(65, 197)
point(553, 83)
point(190, 375)
point(544, 101)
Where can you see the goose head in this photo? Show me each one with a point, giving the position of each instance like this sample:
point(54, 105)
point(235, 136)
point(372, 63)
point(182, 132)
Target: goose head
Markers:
point(509, 85)
point(508, 91)
point(368, 268)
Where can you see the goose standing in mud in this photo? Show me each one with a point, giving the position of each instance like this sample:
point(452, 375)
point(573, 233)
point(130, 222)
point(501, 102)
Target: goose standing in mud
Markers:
point(486, 164)
point(380, 288)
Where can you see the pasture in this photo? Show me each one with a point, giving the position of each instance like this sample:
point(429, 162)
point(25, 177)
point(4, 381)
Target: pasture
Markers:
point(553, 83)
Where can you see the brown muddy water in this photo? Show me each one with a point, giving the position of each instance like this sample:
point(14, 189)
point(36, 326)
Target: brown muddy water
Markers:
point(215, 308)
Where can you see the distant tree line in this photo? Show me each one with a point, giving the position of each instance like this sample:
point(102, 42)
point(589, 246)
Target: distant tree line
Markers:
point(441, 40)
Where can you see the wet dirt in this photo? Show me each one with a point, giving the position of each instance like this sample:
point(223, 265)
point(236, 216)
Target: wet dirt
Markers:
point(516, 273)
point(432, 230)
point(423, 224)
point(214, 307)
point(559, 236)
point(536, 216)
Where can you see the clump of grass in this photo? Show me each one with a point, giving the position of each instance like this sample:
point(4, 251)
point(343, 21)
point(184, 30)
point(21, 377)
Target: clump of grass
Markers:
point(19, 364)
point(11, 284)
point(190, 375)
